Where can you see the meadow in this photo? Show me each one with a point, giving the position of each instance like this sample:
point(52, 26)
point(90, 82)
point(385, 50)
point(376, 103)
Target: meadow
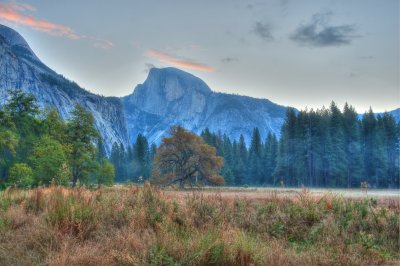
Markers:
point(131, 225)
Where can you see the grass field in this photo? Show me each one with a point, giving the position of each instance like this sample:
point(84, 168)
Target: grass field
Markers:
point(128, 225)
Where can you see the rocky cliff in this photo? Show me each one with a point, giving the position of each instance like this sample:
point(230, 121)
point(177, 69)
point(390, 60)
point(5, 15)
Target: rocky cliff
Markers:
point(22, 69)
point(171, 96)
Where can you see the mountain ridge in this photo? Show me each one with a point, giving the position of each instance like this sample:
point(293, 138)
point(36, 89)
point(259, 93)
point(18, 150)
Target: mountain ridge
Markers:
point(167, 97)
point(22, 69)
point(172, 96)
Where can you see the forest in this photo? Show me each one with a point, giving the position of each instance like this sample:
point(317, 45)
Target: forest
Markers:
point(317, 148)
point(39, 148)
point(328, 147)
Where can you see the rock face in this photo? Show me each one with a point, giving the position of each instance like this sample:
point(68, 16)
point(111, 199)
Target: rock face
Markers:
point(170, 96)
point(22, 69)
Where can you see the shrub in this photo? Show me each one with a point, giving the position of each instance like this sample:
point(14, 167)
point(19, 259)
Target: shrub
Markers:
point(21, 175)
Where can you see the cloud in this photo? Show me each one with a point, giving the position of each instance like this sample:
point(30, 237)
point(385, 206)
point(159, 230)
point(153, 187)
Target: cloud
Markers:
point(319, 33)
point(263, 30)
point(15, 13)
point(229, 59)
point(102, 43)
point(178, 62)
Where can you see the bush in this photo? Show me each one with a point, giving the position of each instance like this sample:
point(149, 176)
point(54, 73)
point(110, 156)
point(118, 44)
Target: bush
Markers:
point(21, 175)
point(106, 173)
point(49, 162)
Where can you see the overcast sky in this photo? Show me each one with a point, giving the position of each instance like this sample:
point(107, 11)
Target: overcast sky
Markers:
point(296, 53)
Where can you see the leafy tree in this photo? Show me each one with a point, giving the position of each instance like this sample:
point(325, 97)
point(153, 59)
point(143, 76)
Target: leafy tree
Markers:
point(48, 161)
point(106, 173)
point(21, 105)
point(23, 111)
point(8, 145)
point(21, 175)
point(82, 135)
point(54, 126)
point(185, 158)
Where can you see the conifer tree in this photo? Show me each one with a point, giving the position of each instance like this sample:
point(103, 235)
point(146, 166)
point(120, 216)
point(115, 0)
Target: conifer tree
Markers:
point(352, 136)
point(255, 155)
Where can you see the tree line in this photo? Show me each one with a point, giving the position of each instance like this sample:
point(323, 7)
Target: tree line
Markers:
point(38, 147)
point(133, 163)
point(319, 148)
point(327, 147)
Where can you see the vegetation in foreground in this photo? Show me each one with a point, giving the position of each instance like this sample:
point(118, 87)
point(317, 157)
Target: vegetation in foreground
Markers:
point(145, 226)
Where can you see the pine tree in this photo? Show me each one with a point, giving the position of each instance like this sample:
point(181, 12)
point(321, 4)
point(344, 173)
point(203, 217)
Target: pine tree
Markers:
point(352, 136)
point(116, 160)
point(337, 163)
point(142, 155)
point(285, 170)
point(227, 169)
point(369, 138)
point(270, 159)
point(255, 161)
point(240, 167)
point(392, 136)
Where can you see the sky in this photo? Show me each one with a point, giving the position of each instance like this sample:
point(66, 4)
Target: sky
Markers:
point(300, 53)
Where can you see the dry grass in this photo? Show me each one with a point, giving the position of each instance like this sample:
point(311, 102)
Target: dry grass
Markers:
point(147, 226)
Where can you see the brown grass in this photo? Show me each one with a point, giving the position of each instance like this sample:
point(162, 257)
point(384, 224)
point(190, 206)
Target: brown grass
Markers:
point(146, 226)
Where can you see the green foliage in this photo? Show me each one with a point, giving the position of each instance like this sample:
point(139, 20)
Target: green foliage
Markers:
point(106, 173)
point(81, 135)
point(322, 148)
point(8, 145)
point(335, 149)
point(135, 162)
point(21, 175)
point(48, 161)
point(55, 152)
point(160, 257)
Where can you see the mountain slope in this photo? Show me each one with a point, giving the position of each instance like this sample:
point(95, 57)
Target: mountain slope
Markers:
point(170, 96)
point(22, 69)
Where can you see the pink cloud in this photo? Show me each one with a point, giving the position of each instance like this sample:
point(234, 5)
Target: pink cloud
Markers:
point(178, 62)
point(15, 13)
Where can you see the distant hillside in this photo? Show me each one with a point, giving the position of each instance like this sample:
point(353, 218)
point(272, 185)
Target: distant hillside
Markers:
point(171, 96)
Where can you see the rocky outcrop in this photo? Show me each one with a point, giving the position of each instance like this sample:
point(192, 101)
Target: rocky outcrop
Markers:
point(170, 96)
point(22, 69)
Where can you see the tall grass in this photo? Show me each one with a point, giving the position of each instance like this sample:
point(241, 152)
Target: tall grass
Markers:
point(144, 226)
